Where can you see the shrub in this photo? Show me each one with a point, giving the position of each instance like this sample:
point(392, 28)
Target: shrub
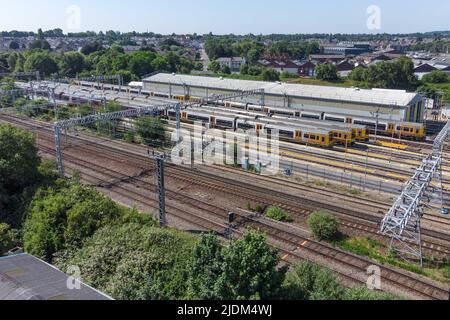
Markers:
point(277, 214)
point(309, 281)
point(9, 238)
point(323, 226)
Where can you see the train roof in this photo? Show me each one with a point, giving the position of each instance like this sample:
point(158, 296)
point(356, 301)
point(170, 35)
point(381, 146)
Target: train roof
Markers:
point(303, 124)
point(383, 121)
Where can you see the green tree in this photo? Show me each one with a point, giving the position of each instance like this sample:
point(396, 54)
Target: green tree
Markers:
point(65, 217)
point(225, 69)
point(19, 162)
point(206, 268)
point(309, 281)
point(14, 45)
point(150, 129)
point(250, 270)
point(141, 63)
point(270, 75)
point(71, 64)
point(91, 47)
point(214, 66)
point(42, 62)
point(9, 238)
point(323, 226)
point(134, 260)
point(327, 72)
point(39, 44)
point(437, 76)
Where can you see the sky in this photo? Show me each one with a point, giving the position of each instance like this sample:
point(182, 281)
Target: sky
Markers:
point(228, 16)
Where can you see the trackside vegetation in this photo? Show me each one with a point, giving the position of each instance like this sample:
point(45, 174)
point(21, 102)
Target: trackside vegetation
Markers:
point(125, 254)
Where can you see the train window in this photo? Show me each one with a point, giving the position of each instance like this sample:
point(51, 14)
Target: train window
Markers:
point(306, 136)
point(323, 139)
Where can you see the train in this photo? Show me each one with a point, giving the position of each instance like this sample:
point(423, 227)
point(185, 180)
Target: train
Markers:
point(345, 134)
point(406, 130)
point(292, 132)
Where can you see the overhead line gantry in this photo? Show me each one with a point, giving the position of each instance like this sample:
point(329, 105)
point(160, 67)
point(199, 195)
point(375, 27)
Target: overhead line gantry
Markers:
point(403, 221)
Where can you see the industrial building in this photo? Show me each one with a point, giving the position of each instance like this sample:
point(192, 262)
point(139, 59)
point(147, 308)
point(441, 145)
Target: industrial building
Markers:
point(25, 277)
point(396, 105)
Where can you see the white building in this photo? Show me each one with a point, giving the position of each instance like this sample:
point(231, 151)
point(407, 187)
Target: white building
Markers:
point(234, 63)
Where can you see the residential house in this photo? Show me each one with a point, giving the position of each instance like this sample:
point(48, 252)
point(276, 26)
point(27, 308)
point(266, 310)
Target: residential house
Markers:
point(307, 69)
point(281, 66)
point(234, 63)
point(344, 68)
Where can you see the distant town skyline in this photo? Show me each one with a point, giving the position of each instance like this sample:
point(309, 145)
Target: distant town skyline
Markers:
point(225, 17)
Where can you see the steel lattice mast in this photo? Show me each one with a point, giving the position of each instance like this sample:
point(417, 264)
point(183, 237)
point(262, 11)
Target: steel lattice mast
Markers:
point(403, 221)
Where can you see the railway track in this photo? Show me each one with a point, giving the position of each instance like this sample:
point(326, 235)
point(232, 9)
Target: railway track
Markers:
point(365, 223)
point(355, 266)
point(421, 288)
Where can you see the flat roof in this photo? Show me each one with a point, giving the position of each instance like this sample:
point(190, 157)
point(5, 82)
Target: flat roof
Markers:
point(25, 277)
point(389, 98)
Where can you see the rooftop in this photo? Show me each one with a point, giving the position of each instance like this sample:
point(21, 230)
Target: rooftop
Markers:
point(25, 277)
point(397, 98)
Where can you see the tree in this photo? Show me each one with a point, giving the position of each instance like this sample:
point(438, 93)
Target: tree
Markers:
point(14, 45)
point(39, 44)
point(71, 64)
point(270, 75)
point(206, 268)
point(91, 47)
point(19, 161)
point(327, 72)
point(309, 281)
point(133, 259)
point(140, 63)
point(42, 62)
point(9, 238)
point(250, 270)
point(151, 130)
point(214, 66)
point(323, 226)
point(225, 69)
point(65, 217)
point(437, 76)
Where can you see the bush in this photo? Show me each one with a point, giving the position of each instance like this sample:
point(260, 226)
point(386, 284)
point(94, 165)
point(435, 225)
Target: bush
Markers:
point(277, 214)
point(9, 238)
point(364, 294)
point(437, 76)
point(309, 281)
point(129, 137)
point(323, 226)
point(64, 217)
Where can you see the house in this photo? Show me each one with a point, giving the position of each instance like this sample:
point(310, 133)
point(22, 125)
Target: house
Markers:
point(281, 66)
point(307, 69)
point(234, 63)
point(423, 70)
point(323, 58)
point(344, 68)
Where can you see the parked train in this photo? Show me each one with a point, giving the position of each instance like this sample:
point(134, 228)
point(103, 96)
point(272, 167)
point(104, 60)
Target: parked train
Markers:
point(293, 132)
point(345, 134)
point(409, 130)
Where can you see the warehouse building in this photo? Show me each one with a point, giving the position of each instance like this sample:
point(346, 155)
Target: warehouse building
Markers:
point(396, 105)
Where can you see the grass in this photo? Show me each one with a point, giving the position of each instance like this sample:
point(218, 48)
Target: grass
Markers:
point(277, 214)
point(365, 246)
